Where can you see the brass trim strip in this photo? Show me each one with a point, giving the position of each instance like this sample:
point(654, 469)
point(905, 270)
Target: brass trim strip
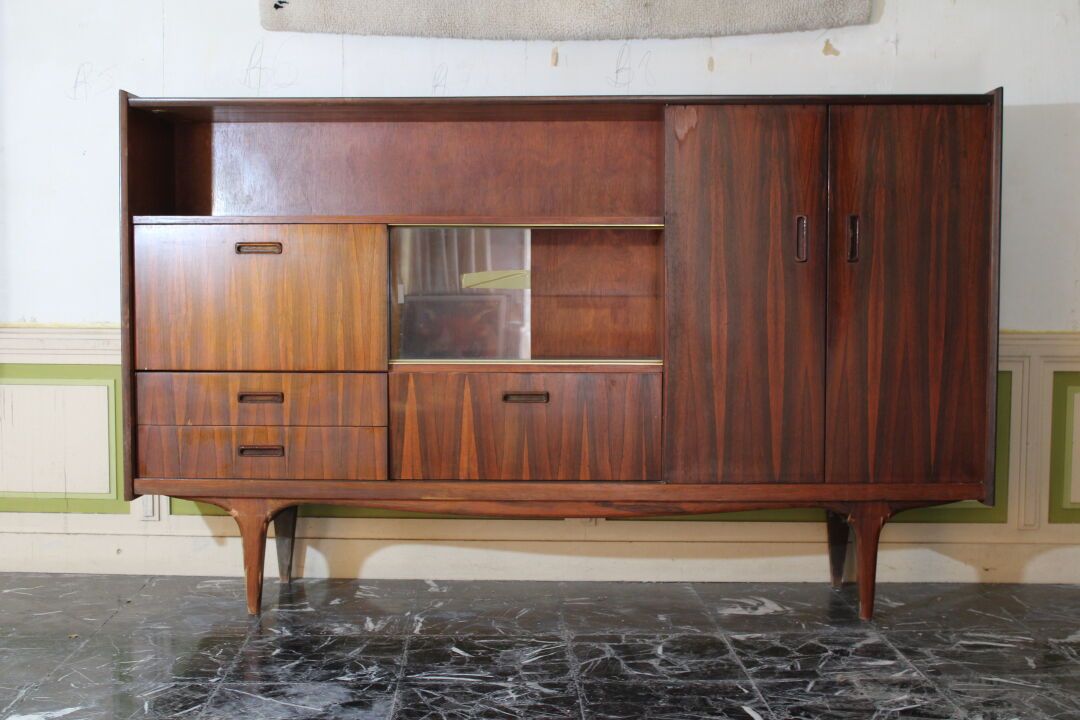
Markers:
point(442, 361)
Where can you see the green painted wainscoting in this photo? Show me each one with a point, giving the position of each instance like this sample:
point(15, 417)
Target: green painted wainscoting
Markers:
point(106, 375)
point(961, 512)
point(1062, 445)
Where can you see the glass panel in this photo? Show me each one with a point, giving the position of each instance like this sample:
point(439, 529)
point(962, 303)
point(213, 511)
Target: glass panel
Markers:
point(460, 293)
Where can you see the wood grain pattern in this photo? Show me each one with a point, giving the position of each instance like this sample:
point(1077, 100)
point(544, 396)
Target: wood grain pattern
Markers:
point(202, 306)
point(308, 453)
point(326, 399)
point(146, 149)
point(551, 109)
point(567, 327)
point(457, 426)
point(253, 518)
point(744, 355)
point(911, 321)
point(786, 495)
point(596, 293)
point(489, 168)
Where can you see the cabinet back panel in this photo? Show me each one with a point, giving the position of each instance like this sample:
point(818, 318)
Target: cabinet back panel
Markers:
point(482, 168)
point(597, 293)
point(911, 317)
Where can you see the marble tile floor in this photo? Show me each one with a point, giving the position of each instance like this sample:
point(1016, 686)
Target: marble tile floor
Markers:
point(94, 646)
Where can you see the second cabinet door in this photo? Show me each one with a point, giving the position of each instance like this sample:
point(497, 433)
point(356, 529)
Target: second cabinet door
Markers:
point(911, 377)
point(744, 357)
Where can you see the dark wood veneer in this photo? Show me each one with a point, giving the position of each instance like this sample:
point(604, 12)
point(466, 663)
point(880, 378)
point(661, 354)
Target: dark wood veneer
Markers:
point(744, 361)
point(909, 319)
point(203, 306)
point(327, 399)
point(459, 425)
point(307, 453)
point(570, 491)
point(799, 370)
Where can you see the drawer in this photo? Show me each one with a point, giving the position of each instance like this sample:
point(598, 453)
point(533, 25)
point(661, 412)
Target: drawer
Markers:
point(260, 297)
point(525, 426)
point(262, 453)
point(315, 399)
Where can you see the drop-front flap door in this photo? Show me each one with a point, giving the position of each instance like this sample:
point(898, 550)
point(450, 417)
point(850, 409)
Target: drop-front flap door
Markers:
point(745, 258)
point(910, 379)
point(260, 297)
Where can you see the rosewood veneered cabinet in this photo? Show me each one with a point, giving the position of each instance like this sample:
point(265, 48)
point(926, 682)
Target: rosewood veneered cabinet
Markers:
point(561, 307)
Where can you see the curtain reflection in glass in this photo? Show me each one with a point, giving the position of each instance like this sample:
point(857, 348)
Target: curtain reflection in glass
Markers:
point(460, 293)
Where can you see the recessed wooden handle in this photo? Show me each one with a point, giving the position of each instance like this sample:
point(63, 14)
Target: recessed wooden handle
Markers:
point(263, 398)
point(853, 239)
point(261, 451)
point(800, 239)
point(526, 397)
point(258, 248)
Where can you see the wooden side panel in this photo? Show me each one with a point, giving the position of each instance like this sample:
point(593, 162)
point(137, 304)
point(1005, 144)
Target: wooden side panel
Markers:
point(320, 304)
point(305, 453)
point(744, 360)
point(596, 293)
point(910, 310)
point(146, 145)
point(318, 399)
point(459, 426)
point(483, 167)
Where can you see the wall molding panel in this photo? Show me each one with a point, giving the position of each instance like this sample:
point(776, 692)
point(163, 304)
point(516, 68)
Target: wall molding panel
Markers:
point(1025, 538)
point(30, 344)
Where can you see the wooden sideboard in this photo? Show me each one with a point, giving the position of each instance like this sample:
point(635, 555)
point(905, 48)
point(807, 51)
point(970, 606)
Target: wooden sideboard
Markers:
point(561, 307)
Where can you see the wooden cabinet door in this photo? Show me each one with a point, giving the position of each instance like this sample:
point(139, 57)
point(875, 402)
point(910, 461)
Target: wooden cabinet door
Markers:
point(912, 317)
point(260, 297)
point(745, 259)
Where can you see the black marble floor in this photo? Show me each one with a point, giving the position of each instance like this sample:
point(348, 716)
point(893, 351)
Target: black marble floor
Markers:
point(157, 647)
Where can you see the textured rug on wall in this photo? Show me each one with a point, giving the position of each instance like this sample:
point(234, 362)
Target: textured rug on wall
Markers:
point(560, 19)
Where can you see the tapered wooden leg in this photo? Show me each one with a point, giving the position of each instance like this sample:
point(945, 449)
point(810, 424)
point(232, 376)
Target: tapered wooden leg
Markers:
point(838, 530)
point(253, 517)
point(285, 539)
point(867, 519)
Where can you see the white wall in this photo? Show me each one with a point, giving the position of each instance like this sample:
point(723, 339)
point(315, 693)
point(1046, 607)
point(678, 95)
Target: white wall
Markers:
point(62, 61)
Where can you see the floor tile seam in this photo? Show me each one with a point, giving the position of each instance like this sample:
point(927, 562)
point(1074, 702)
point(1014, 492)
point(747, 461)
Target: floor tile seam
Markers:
point(753, 683)
point(575, 669)
point(233, 664)
point(718, 628)
point(919, 672)
point(395, 698)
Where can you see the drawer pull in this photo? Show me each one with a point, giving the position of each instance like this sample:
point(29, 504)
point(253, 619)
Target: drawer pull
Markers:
point(800, 239)
point(526, 397)
point(261, 451)
point(263, 398)
point(258, 248)
point(853, 239)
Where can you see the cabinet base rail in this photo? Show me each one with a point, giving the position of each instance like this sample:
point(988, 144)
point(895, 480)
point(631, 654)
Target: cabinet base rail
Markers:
point(865, 519)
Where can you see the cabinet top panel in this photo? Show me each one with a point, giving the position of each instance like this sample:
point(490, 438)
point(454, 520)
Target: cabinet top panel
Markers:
point(618, 107)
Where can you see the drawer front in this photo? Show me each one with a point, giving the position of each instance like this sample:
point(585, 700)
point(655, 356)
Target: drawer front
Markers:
point(525, 426)
point(260, 297)
point(314, 399)
point(262, 453)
